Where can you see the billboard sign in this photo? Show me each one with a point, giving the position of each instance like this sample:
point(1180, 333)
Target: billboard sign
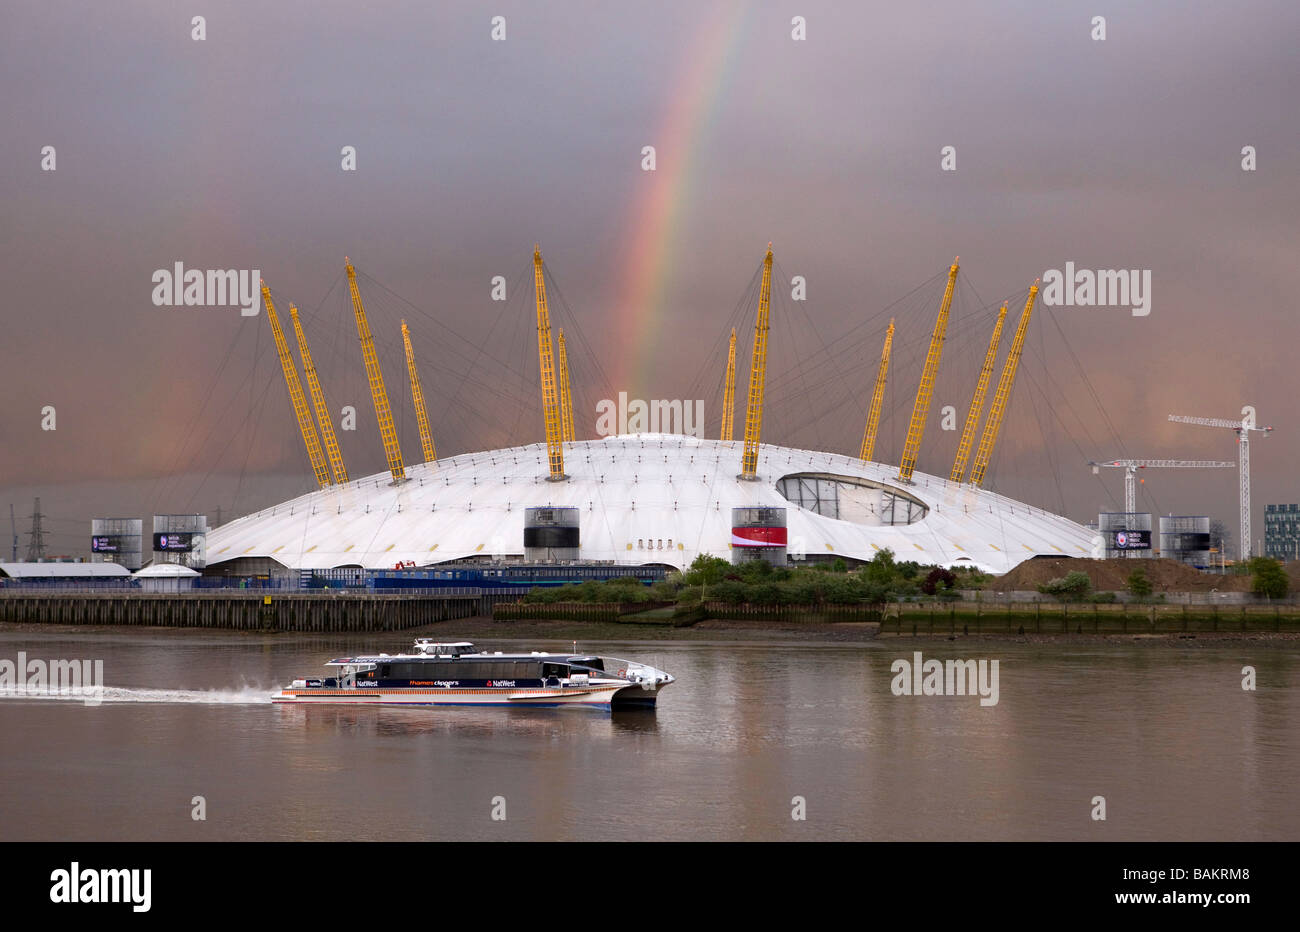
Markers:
point(1132, 540)
point(173, 543)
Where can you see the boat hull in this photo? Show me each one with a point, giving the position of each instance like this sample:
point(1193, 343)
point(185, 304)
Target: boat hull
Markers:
point(594, 696)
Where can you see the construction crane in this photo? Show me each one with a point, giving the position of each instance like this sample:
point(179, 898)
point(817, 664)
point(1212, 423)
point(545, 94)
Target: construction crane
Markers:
point(566, 399)
point(958, 473)
point(729, 391)
point(1131, 467)
point(877, 397)
point(417, 398)
point(1242, 428)
point(305, 424)
point(546, 359)
point(375, 375)
point(757, 375)
point(318, 401)
point(925, 390)
point(1000, 398)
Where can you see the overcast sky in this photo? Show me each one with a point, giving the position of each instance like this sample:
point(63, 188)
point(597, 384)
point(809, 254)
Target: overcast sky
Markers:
point(226, 153)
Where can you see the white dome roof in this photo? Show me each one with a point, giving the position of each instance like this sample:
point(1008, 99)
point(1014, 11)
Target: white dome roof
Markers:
point(642, 498)
point(164, 570)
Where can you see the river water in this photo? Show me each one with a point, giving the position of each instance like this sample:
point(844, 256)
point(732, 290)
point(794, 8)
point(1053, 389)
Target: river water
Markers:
point(1165, 734)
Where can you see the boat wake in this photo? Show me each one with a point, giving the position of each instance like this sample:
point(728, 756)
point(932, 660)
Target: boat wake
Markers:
point(248, 695)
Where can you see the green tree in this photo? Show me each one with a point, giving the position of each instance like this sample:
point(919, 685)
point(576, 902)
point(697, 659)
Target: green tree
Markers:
point(1269, 578)
point(707, 571)
point(1138, 584)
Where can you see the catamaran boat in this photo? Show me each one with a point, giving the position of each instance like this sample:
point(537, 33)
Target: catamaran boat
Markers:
point(438, 673)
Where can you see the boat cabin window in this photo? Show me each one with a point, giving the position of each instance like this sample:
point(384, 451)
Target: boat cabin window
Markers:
point(554, 669)
point(464, 670)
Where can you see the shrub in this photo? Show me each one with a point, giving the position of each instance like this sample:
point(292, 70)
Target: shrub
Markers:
point(767, 593)
point(1138, 584)
point(729, 590)
point(938, 578)
point(842, 590)
point(706, 571)
point(665, 590)
point(1270, 579)
point(1073, 585)
point(689, 595)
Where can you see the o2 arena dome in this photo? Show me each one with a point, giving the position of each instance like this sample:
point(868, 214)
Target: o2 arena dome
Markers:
point(647, 498)
point(643, 497)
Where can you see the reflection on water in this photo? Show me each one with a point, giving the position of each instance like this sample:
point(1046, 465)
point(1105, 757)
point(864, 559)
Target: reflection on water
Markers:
point(1165, 733)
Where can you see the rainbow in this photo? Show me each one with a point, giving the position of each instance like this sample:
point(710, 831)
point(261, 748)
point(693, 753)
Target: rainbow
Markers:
point(663, 195)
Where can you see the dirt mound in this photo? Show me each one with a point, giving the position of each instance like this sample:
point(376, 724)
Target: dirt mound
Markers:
point(1112, 575)
point(1293, 571)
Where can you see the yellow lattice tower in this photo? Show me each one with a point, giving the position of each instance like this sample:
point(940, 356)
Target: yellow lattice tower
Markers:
point(417, 397)
point(877, 397)
point(378, 394)
point(546, 360)
point(977, 402)
point(757, 375)
point(295, 393)
point(925, 390)
point(729, 391)
point(566, 399)
point(1000, 398)
point(318, 401)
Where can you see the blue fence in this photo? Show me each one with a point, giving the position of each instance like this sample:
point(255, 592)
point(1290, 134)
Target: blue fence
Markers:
point(489, 579)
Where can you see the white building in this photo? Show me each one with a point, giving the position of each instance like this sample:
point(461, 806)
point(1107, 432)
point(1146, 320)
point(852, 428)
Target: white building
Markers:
point(643, 499)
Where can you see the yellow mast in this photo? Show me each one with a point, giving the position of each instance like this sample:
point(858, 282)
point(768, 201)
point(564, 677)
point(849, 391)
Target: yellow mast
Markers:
point(295, 393)
point(566, 399)
point(318, 400)
point(877, 397)
point(1005, 383)
point(550, 401)
point(417, 397)
point(977, 402)
point(383, 413)
point(924, 391)
point(757, 375)
point(729, 391)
